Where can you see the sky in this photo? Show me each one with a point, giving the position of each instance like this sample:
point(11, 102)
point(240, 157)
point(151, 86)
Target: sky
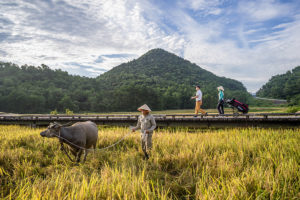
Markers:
point(246, 40)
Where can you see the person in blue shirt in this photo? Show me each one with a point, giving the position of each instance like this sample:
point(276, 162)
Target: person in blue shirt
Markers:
point(221, 100)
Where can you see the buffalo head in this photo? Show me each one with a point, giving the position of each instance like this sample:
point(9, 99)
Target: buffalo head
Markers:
point(52, 130)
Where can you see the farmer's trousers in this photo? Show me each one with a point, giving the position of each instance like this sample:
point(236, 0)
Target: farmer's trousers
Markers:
point(146, 139)
point(198, 107)
point(221, 106)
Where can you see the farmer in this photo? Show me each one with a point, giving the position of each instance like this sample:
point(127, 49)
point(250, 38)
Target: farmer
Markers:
point(221, 100)
point(147, 124)
point(198, 98)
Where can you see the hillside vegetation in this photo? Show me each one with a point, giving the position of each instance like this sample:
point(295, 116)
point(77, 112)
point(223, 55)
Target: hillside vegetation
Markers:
point(283, 86)
point(30, 89)
point(165, 81)
point(158, 78)
point(217, 164)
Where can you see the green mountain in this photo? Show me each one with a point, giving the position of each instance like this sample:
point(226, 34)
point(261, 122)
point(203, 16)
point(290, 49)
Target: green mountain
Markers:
point(158, 78)
point(165, 81)
point(283, 86)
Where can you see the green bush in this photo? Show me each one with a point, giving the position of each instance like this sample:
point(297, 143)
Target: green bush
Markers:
point(69, 112)
point(54, 112)
point(293, 109)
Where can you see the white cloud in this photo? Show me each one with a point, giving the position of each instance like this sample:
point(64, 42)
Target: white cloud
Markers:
point(263, 10)
point(76, 31)
point(201, 5)
point(253, 66)
point(72, 34)
point(273, 52)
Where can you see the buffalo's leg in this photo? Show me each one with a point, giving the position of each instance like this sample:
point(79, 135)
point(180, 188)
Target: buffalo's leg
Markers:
point(94, 145)
point(74, 152)
point(79, 153)
point(85, 155)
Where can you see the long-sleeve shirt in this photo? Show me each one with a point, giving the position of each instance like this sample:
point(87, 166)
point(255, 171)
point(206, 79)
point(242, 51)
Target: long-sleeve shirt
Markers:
point(146, 123)
point(221, 95)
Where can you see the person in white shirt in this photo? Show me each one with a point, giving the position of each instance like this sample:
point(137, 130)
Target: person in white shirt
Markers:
point(198, 99)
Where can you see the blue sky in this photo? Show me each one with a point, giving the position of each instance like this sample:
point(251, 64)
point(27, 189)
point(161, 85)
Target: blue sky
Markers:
point(245, 40)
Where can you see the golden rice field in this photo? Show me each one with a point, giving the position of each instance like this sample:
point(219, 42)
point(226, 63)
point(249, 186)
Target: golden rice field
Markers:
point(211, 164)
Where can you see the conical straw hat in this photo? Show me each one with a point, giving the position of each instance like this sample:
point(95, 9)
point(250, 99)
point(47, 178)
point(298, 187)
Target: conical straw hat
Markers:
point(144, 107)
point(220, 88)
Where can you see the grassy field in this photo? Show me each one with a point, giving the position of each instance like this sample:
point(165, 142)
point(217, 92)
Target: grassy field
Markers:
point(227, 110)
point(210, 164)
point(210, 111)
point(278, 109)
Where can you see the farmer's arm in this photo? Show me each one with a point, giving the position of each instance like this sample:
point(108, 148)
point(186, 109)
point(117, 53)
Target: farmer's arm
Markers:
point(138, 126)
point(153, 123)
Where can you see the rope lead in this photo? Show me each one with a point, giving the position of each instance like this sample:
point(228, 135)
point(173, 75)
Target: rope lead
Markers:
point(114, 144)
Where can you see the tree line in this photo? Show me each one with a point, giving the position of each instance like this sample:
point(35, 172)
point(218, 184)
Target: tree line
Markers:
point(29, 89)
point(283, 86)
point(158, 78)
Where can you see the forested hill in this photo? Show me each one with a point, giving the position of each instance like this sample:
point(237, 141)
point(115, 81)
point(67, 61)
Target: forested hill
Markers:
point(161, 68)
point(158, 78)
point(283, 86)
point(40, 90)
point(165, 81)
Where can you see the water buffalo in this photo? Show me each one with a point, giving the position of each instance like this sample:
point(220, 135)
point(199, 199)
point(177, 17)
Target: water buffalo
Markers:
point(80, 134)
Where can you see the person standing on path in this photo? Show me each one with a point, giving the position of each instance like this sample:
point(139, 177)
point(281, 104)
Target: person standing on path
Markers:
point(147, 124)
point(198, 99)
point(221, 100)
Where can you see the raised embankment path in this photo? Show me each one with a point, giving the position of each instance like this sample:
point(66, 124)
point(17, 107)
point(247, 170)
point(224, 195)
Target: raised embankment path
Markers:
point(272, 120)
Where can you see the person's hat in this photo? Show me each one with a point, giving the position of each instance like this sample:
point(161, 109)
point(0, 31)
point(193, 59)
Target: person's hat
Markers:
point(220, 88)
point(144, 107)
